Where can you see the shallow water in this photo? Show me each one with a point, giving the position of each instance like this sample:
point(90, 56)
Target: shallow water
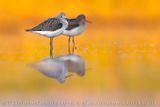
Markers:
point(116, 60)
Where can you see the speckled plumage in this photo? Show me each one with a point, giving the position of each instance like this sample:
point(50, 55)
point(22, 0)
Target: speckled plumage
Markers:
point(72, 23)
point(50, 24)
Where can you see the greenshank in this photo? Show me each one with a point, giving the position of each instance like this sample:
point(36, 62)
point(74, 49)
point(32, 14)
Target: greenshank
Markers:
point(75, 27)
point(51, 28)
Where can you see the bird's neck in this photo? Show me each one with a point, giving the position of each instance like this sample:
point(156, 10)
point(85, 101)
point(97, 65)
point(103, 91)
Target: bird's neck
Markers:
point(65, 23)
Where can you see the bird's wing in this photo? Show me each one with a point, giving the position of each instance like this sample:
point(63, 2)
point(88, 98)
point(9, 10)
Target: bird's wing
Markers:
point(50, 24)
point(72, 24)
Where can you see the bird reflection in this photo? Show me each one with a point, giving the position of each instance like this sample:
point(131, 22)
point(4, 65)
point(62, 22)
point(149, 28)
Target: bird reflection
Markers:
point(52, 68)
point(61, 67)
point(74, 63)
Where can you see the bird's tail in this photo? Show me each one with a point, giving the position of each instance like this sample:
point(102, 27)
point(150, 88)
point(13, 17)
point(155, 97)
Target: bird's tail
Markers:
point(28, 30)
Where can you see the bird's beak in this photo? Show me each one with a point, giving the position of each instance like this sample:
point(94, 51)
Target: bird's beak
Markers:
point(88, 21)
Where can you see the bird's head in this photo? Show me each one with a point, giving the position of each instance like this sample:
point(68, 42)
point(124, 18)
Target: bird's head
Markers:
point(82, 19)
point(62, 15)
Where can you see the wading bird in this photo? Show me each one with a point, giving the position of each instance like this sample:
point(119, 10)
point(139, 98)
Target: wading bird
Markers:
point(75, 27)
point(51, 28)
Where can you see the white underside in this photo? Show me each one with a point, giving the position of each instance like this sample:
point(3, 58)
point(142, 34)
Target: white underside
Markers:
point(49, 33)
point(74, 32)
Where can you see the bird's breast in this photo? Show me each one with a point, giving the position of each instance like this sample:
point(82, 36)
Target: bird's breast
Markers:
point(74, 31)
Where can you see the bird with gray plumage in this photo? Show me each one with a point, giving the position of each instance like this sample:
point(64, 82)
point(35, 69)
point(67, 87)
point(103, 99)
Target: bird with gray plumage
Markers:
point(75, 27)
point(51, 28)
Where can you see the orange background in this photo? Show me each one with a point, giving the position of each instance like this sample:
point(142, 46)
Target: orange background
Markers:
point(120, 46)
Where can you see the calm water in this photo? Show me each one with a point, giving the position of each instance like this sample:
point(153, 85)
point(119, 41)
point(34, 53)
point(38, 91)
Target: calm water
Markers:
point(116, 59)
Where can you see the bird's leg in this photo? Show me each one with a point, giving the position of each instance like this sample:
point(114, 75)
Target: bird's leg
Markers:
point(73, 43)
point(51, 47)
point(69, 39)
point(69, 75)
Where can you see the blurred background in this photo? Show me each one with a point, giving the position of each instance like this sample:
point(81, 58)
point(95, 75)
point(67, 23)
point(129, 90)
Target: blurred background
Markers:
point(121, 47)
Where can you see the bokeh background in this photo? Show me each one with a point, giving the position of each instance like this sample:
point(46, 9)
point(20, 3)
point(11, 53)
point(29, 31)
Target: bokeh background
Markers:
point(121, 46)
